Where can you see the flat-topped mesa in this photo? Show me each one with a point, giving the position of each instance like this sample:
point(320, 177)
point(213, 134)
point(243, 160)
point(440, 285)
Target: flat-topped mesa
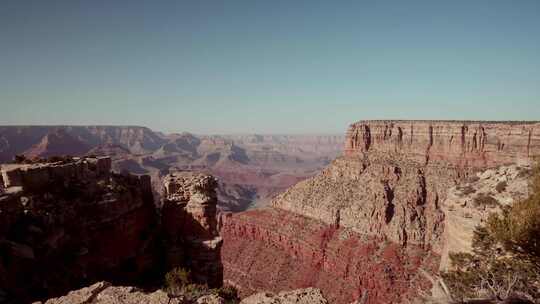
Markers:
point(190, 226)
point(465, 144)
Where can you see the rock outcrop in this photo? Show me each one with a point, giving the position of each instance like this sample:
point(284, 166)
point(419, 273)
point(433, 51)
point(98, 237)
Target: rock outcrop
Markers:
point(73, 222)
point(386, 192)
point(106, 293)
point(299, 296)
point(190, 226)
point(67, 223)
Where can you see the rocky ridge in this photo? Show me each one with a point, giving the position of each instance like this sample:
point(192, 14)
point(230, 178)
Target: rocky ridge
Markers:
point(106, 293)
point(251, 168)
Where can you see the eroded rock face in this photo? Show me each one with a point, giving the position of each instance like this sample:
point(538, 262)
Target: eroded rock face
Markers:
point(386, 192)
point(67, 223)
point(190, 226)
point(274, 250)
point(377, 196)
point(460, 143)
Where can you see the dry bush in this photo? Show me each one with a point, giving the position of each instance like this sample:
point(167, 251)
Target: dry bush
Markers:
point(505, 262)
point(483, 199)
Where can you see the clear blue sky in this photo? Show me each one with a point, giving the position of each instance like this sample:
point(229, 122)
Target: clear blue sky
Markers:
point(267, 66)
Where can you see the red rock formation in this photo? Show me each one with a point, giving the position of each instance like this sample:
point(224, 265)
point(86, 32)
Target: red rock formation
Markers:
point(385, 193)
point(271, 249)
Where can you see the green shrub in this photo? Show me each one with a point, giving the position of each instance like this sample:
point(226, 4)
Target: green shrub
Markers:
point(505, 261)
point(178, 283)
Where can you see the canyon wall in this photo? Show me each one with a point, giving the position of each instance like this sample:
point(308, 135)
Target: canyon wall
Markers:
point(67, 223)
point(457, 143)
point(45, 141)
point(73, 222)
point(386, 193)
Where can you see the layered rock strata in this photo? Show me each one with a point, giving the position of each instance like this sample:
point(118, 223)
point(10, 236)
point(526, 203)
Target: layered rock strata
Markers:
point(386, 192)
point(66, 223)
point(274, 250)
point(189, 224)
point(458, 143)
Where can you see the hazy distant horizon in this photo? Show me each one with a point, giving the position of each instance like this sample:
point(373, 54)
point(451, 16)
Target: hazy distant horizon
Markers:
point(272, 67)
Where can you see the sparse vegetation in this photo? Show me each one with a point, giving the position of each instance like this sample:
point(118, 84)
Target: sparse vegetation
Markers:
point(505, 261)
point(483, 199)
point(501, 186)
point(178, 284)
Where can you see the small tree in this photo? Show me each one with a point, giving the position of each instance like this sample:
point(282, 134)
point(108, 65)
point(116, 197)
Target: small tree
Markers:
point(505, 260)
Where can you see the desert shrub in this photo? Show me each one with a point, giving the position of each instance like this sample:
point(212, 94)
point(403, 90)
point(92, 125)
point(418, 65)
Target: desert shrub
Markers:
point(501, 186)
point(178, 283)
point(229, 293)
point(505, 260)
point(176, 280)
point(483, 199)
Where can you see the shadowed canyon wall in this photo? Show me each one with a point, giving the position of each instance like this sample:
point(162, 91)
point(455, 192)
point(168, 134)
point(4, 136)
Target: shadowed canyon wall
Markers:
point(72, 222)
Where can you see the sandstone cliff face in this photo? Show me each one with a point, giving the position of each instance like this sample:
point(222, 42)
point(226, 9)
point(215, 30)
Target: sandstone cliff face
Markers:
point(386, 191)
point(189, 224)
point(375, 196)
point(461, 144)
point(65, 224)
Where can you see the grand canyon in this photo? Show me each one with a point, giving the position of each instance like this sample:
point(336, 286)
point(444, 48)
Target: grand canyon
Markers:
point(270, 152)
point(369, 217)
